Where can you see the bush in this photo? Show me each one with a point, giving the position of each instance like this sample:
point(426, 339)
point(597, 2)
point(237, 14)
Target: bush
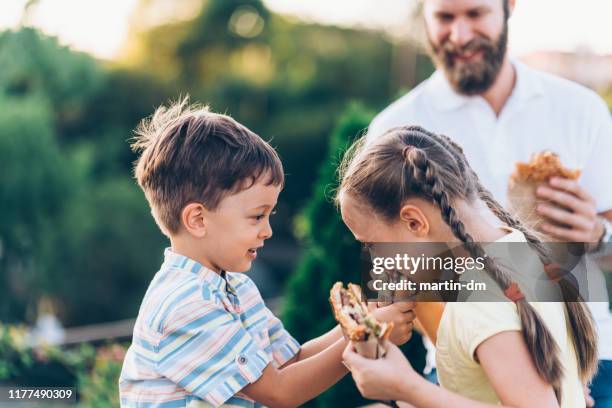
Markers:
point(331, 255)
point(94, 373)
point(98, 388)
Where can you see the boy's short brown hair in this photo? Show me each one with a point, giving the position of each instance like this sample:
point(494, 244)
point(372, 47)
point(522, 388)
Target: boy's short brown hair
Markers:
point(190, 154)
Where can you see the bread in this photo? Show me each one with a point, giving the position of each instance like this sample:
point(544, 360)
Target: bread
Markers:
point(358, 324)
point(541, 168)
point(522, 199)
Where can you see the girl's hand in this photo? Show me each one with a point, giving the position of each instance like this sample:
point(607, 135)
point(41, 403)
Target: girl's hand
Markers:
point(382, 379)
point(402, 315)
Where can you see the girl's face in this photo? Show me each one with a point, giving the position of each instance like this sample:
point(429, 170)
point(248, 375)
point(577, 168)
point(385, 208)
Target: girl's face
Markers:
point(418, 221)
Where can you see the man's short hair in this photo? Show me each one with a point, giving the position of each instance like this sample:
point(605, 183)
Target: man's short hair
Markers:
point(189, 154)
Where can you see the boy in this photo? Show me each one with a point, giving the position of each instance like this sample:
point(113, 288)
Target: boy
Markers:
point(203, 336)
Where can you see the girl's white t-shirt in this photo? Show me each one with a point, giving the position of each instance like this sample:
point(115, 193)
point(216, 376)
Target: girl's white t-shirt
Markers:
point(464, 326)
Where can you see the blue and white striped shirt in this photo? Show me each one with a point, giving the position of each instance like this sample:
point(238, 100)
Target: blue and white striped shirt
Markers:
point(199, 339)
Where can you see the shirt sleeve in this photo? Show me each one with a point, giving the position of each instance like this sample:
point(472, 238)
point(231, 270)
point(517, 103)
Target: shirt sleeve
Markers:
point(206, 351)
point(284, 346)
point(598, 164)
point(474, 322)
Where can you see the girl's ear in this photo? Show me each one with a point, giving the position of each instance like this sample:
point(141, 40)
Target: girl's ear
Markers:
point(193, 218)
point(414, 219)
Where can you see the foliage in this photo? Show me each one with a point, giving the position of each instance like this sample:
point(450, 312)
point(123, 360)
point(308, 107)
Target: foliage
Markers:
point(287, 80)
point(74, 227)
point(70, 210)
point(98, 388)
point(331, 255)
point(15, 357)
point(36, 182)
point(94, 373)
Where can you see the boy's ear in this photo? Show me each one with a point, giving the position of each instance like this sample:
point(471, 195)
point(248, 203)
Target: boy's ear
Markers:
point(193, 218)
point(414, 220)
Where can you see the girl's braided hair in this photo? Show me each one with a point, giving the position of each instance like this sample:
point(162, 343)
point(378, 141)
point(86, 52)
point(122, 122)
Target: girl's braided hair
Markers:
point(411, 162)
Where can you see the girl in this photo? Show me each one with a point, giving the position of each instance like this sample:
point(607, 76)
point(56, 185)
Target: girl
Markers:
point(415, 186)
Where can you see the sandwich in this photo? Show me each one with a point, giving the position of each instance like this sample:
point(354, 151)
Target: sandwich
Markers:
point(367, 334)
point(522, 198)
point(523, 202)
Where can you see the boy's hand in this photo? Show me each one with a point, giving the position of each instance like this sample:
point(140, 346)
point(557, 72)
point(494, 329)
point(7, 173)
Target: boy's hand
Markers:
point(402, 315)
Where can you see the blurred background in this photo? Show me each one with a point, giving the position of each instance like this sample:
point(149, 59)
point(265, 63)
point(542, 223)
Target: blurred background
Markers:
point(77, 243)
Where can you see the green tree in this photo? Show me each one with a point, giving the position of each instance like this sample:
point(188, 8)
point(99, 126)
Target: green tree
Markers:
point(34, 64)
point(331, 254)
point(73, 225)
point(286, 79)
point(36, 182)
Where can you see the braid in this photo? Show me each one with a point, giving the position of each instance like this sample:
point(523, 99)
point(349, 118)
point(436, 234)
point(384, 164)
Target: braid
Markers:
point(540, 343)
point(434, 167)
point(485, 195)
point(579, 315)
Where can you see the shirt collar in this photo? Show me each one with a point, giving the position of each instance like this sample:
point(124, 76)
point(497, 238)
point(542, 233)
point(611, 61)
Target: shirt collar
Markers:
point(527, 85)
point(176, 260)
point(445, 98)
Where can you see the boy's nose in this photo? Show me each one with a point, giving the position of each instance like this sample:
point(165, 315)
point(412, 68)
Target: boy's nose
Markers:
point(266, 232)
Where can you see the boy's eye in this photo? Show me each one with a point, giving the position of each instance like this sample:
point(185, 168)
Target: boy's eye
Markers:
point(259, 217)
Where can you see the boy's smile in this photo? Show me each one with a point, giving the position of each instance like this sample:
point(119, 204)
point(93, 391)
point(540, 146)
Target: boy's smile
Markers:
point(238, 227)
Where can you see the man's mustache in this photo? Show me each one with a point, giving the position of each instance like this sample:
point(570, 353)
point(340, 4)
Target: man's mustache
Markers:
point(451, 50)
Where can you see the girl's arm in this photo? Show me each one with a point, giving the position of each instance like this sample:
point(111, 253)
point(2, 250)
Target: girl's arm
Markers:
point(512, 373)
point(504, 358)
point(428, 316)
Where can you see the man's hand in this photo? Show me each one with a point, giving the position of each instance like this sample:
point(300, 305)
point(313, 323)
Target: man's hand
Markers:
point(573, 208)
point(402, 315)
point(590, 402)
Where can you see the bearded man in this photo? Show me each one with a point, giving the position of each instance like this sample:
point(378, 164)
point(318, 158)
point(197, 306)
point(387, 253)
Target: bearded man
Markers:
point(501, 112)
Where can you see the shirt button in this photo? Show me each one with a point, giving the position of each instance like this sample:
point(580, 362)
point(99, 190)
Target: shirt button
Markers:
point(242, 360)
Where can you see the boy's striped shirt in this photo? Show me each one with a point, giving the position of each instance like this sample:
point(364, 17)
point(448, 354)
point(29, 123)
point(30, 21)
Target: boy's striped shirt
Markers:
point(199, 339)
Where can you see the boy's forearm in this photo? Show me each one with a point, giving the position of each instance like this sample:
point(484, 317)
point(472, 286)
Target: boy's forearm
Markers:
point(317, 345)
point(309, 377)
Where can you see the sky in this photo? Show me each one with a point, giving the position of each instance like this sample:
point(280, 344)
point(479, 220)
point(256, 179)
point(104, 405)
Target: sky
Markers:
point(101, 26)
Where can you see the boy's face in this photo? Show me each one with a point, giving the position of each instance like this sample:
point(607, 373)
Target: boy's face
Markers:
point(238, 227)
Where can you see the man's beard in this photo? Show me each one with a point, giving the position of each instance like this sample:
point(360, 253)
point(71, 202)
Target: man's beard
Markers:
point(471, 77)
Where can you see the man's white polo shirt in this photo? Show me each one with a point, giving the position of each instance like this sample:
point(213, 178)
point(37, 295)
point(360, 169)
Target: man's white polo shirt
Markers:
point(544, 112)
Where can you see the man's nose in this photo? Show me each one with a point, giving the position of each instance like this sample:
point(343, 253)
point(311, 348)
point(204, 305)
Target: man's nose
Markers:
point(461, 32)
